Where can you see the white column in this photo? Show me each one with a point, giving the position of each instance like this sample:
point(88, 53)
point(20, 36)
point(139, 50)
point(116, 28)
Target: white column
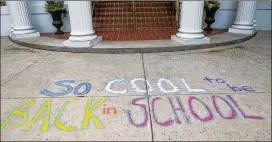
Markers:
point(21, 24)
point(82, 32)
point(191, 18)
point(244, 18)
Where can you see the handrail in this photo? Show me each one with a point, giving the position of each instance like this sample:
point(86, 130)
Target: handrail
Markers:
point(134, 15)
point(178, 9)
point(93, 7)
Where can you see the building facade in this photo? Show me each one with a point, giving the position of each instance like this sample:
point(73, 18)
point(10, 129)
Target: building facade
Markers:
point(30, 17)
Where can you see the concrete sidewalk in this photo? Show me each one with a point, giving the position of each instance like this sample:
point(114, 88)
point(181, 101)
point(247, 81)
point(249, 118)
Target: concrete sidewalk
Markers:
point(223, 95)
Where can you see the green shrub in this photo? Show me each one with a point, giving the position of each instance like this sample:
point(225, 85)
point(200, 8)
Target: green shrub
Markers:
point(211, 4)
point(52, 6)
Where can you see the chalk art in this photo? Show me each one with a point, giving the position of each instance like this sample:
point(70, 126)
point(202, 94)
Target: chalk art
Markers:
point(136, 82)
point(183, 110)
point(233, 88)
point(228, 99)
point(20, 111)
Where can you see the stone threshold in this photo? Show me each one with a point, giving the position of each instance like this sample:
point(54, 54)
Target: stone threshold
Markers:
point(139, 46)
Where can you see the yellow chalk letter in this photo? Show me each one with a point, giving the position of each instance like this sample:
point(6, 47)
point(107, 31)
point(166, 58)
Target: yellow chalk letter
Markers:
point(58, 123)
point(19, 111)
point(45, 125)
point(89, 113)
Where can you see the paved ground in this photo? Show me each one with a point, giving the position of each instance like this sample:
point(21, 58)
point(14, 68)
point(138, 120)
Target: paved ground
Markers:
point(223, 95)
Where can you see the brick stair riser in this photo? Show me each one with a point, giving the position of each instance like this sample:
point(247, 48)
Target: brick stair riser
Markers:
point(136, 4)
point(131, 28)
point(130, 14)
point(131, 24)
point(116, 16)
point(130, 9)
point(137, 19)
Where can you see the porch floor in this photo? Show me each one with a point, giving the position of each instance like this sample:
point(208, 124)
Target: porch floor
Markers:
point(134, 35)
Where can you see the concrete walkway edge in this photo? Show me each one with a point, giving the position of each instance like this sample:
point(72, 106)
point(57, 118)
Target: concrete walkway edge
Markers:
point(56, 45)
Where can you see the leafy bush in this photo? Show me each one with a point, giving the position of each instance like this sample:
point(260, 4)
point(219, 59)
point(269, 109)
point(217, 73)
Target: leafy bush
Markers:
point(211, 4)
point(53, 6)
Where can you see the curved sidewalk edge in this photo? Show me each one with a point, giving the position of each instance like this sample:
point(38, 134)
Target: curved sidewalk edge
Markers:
point(118, 47)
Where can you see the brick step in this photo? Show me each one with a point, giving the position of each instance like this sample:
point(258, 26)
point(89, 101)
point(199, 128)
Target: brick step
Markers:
point(131, 29)
point(128, 4)
point(156, 24)
point(137, 19)
point(152, 9)
point(154, 14)
point(114, 9)
point(112, 29)
point(129, 9)
point(137, 14)
point(131, 24)
point(113, 14)
point(113, 25)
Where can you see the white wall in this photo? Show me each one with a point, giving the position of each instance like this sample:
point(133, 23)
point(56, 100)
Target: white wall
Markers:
point(225, 16)
point(5, 21)
point(263, 15)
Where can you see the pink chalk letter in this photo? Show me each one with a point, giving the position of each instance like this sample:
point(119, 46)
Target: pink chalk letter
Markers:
point(210, 115)
point(242, 112)
point(233, 112)
point(143, 107)
point(166, 123)
point(181, 108)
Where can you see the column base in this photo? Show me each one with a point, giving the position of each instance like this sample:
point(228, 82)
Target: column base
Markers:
point(188, 41)
point(242, 31)
point(84, 44)
point(22, 36)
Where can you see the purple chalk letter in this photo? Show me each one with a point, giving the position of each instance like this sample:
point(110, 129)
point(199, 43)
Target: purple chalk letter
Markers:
point(248, 89)
point(206, 78)
point(143, 107)
point(235, 89)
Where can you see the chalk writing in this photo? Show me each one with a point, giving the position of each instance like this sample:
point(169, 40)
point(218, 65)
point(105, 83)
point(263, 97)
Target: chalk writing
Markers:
point(191, 101)
point(136, 82)
point(184, 111)
point(174, 87)
point(145, 113)
point(21, 112)
point(110, 83)
point(60, 125)
point(69, 89)
point(233, 88)
point(109, 110)
point(46, 107)
point(136, 87)
point(89, 114)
